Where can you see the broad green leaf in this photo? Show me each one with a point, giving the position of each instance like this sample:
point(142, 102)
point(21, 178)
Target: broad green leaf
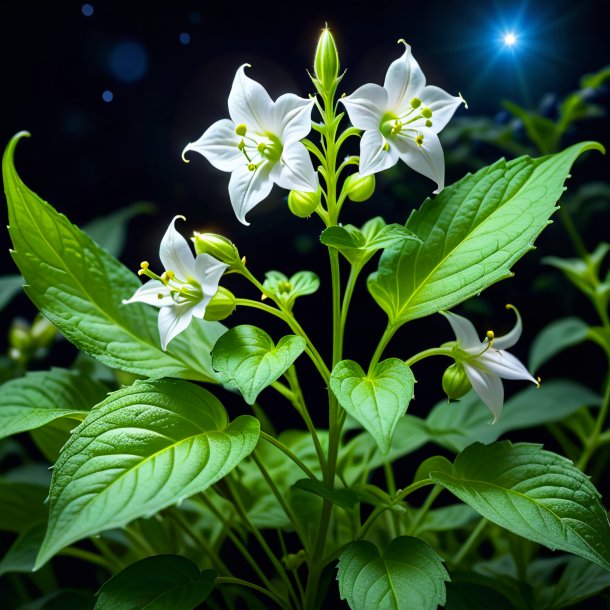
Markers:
point(458, 424)
point(344, 497)
point(144, 448)
point(580, 580)
point(80, 287)
point(288, 290)
point(10, 286)
point(410, 574)
point(556, 337)
point(377, 399)
point(43, 396)
point(543, 132)
point(246, 357)
point(169, 582)
point(359, 245)
point(21, 504)
point(21, 555)
point(535, 494)
point(472, 233)
point(51, 437)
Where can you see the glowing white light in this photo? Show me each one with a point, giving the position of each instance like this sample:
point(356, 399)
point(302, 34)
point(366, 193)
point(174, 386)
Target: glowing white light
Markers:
point(510, 39)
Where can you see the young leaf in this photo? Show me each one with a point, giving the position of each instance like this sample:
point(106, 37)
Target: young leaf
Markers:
point(43, 396)
point(162, 581)
point(410, 574)
point(288, 290)
point(535, 494)
point(247, 358)
point(377, 399)
point(144, 448)
point(472, 233)
point(79, 287)
point(556, 337)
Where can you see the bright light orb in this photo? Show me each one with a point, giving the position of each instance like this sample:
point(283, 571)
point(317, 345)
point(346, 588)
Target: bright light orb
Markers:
point(510, 39)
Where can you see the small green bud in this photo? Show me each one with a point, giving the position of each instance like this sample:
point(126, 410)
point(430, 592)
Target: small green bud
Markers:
point(293, 561)
point(303, 204)
point(455, 381)
point(326, 61)
point(221, 306)
point(217, 246)
point(359, 188)
point(19, 336)
point(43, 332)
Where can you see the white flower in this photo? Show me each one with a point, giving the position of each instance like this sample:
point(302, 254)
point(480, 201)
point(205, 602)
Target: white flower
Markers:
point(260, 145)
point(184, 289)
point(485, 362)
point(401, 119)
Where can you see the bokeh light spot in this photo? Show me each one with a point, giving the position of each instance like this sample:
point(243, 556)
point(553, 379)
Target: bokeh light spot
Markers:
point(87, 10)
point(185, 38)
point(510, 39)
point(128, 61)
point(107, 96)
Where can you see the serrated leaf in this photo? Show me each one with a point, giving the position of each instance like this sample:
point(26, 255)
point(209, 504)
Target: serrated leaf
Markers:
point(79, 287)
point(410, 574)
point(287, 290)
point(144, 448)
point(169, 582)
point(535, 494)
point(556, 337)
point(44, 396)
point(472, 233)
point(10, 286)
point(21, 555)
point(247, 358)
point(377, 399)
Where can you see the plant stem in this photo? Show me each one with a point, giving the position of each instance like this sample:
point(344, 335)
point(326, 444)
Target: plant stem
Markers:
point(593, 440)
point(435, 351)
point(423, 511)
point(229, 580)
point(289, 453)
point(470, 542)
point(71, 551)
point(388, 333)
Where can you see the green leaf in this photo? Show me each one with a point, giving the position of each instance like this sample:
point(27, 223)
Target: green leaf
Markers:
point(51, 437)
point(458, 424)
point(343, 497)
point(41, 397)
point(410, 574)
point(535, 494)
point(359, 245)
point(377, 399)
point(21, 504)
point(472, 233)
point(22, 554)
point(79, 287)
point(10, 286)
point(580, 580)
point(168, 582)
point(144, 448)
point(246, 357)
point(288, 290)
point(556, 337)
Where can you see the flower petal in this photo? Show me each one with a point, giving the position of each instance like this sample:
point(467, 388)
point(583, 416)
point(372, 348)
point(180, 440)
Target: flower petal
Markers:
point(508, 340)
point(489, 388)
point(219, 146)
point(247, 188)
point(503, 364)
point(442, 104)
point(149, 293)
point(373, 156)
point(366, 106)
point(426, 159)
point(464, 330)
point(295, 170)
point(249, 103)
point(208, 273)
point(292, 117)
point(175, 253)
point(172, 321)
point(404, 80)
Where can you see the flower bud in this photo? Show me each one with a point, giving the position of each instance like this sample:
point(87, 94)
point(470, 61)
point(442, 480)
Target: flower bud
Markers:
point(359, 188)
point(221, 305)
point(303, 204)
point(217, 246)
point(326, 61)
point(455, 381)
point(293, 561)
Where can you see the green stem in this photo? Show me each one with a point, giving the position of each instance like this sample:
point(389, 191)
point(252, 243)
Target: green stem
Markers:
point(388, 333)
point(347, 295)
point(289, 453)
point(470, 542)
point(229, 580)
point(593, 440)
point(423, 511)
point(108, 553)
point(435, 351)
point(98, 560)
point(572, 232)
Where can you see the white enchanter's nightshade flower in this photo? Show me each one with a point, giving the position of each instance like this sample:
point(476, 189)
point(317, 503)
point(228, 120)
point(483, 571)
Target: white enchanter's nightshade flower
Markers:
point(185, 287)
point(260, 144)
point(486, 362)
point(401, 120)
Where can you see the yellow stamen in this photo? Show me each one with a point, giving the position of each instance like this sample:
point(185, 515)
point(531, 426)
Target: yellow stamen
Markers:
point(419, 140)
point(251, 167)
point(426, 113)
point(490, 335)
point(241, 129)
point(415, 102)
point(428, 123)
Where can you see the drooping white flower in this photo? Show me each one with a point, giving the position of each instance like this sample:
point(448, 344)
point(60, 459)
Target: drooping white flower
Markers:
point(401, 120)
point(486, 362)
point(260, 144)
point(185, 287)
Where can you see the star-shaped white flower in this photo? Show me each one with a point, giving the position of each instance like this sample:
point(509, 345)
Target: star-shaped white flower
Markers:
point(260, 144)
point(401, 120)
point(486, 362)
point(184, 289)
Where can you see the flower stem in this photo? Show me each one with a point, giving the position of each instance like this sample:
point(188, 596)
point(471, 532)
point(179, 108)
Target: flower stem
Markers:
point(289, 453)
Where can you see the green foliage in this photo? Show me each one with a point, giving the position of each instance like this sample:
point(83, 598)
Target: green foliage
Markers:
point(472, 233)
point(10, 285)
point(167, 582)
point(286, 291)
point(245, 357)
point(23, 493)
point(410, 574)
point(144, 448)
point(22, 554)
point(556, 337)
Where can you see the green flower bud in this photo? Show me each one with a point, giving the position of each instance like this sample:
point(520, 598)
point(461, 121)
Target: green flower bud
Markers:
point(359, 188)
point(43, 332)
point(19, 336)
point(221, 306)
point(293, 561)
point(217, 246)
point(455, 382)
point(303, 204)
point(326, 61)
